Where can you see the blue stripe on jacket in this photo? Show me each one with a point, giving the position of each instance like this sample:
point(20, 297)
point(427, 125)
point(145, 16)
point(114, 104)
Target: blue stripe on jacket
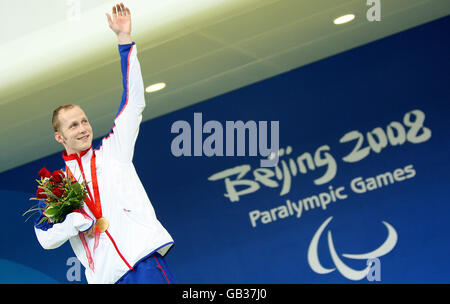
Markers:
point(124, 50)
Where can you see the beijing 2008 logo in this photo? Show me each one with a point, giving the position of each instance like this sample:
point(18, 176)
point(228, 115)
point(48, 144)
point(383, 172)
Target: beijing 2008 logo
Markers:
point(346, 271)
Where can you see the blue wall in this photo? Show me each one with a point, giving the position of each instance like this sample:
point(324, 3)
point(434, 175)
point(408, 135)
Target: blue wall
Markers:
point(403, 78)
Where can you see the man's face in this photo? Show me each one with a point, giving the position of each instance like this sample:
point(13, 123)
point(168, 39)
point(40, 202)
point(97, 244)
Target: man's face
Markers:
point(75, 132)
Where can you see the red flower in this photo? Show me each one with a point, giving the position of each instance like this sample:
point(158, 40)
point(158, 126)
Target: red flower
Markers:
point(57, 176)
point(44, 173)
point(58, 192)
point(40, 193)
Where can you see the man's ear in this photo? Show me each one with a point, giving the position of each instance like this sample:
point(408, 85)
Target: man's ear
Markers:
point(59, 138)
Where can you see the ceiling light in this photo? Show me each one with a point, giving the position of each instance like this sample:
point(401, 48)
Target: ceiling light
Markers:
point(344, 19)
point(155, 87)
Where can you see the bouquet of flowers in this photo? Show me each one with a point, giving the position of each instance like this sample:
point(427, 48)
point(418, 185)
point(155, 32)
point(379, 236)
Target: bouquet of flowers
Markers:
point(60, 193)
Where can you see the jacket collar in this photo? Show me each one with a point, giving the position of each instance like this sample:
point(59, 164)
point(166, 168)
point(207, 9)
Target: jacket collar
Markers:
point(74, 156)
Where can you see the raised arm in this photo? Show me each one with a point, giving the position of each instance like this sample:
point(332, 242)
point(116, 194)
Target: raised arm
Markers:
point(120, 141)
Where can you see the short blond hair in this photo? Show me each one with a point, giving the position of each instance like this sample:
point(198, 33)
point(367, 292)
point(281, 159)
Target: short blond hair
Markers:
point(55, 118)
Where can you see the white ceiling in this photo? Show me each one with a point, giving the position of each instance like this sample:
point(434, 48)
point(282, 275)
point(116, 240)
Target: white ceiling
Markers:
point(201, 49)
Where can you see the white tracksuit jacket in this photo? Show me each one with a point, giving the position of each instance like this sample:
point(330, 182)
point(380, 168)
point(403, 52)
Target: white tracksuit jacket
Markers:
point(133, 225)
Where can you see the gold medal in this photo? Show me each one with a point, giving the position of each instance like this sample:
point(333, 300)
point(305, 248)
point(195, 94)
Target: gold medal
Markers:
point(102, 224)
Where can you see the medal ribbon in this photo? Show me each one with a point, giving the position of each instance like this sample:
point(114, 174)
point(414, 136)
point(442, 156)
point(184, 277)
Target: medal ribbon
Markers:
point(95, 207)
point(94, 204)
point(84, 242)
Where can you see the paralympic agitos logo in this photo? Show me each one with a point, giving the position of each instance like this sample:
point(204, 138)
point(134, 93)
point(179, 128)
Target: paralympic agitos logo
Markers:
point(346, 271)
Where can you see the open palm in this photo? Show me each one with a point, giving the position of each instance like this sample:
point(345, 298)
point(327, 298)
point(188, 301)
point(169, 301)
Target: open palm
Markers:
point(120, 22)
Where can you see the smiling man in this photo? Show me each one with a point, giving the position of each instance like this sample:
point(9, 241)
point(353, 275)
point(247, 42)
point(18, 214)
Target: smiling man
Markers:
point(116, 236)
point(72, 128)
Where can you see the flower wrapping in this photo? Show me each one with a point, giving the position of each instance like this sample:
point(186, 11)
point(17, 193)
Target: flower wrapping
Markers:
point(60, 193)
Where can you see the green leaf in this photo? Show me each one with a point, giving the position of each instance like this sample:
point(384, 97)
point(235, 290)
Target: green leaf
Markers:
point(52, 211)
point(31, 210)
point(43, 219)
point(76, 187)
point(30, 216)
point(70, 193)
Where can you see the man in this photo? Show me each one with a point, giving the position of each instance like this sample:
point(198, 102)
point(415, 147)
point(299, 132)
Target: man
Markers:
point(116, 236)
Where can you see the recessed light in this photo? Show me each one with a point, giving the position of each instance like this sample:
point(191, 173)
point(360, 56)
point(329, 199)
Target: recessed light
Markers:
point(344, 19)
point(155, 87)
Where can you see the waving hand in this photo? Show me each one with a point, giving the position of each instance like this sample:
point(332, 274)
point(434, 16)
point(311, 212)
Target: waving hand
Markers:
point(120, 23)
